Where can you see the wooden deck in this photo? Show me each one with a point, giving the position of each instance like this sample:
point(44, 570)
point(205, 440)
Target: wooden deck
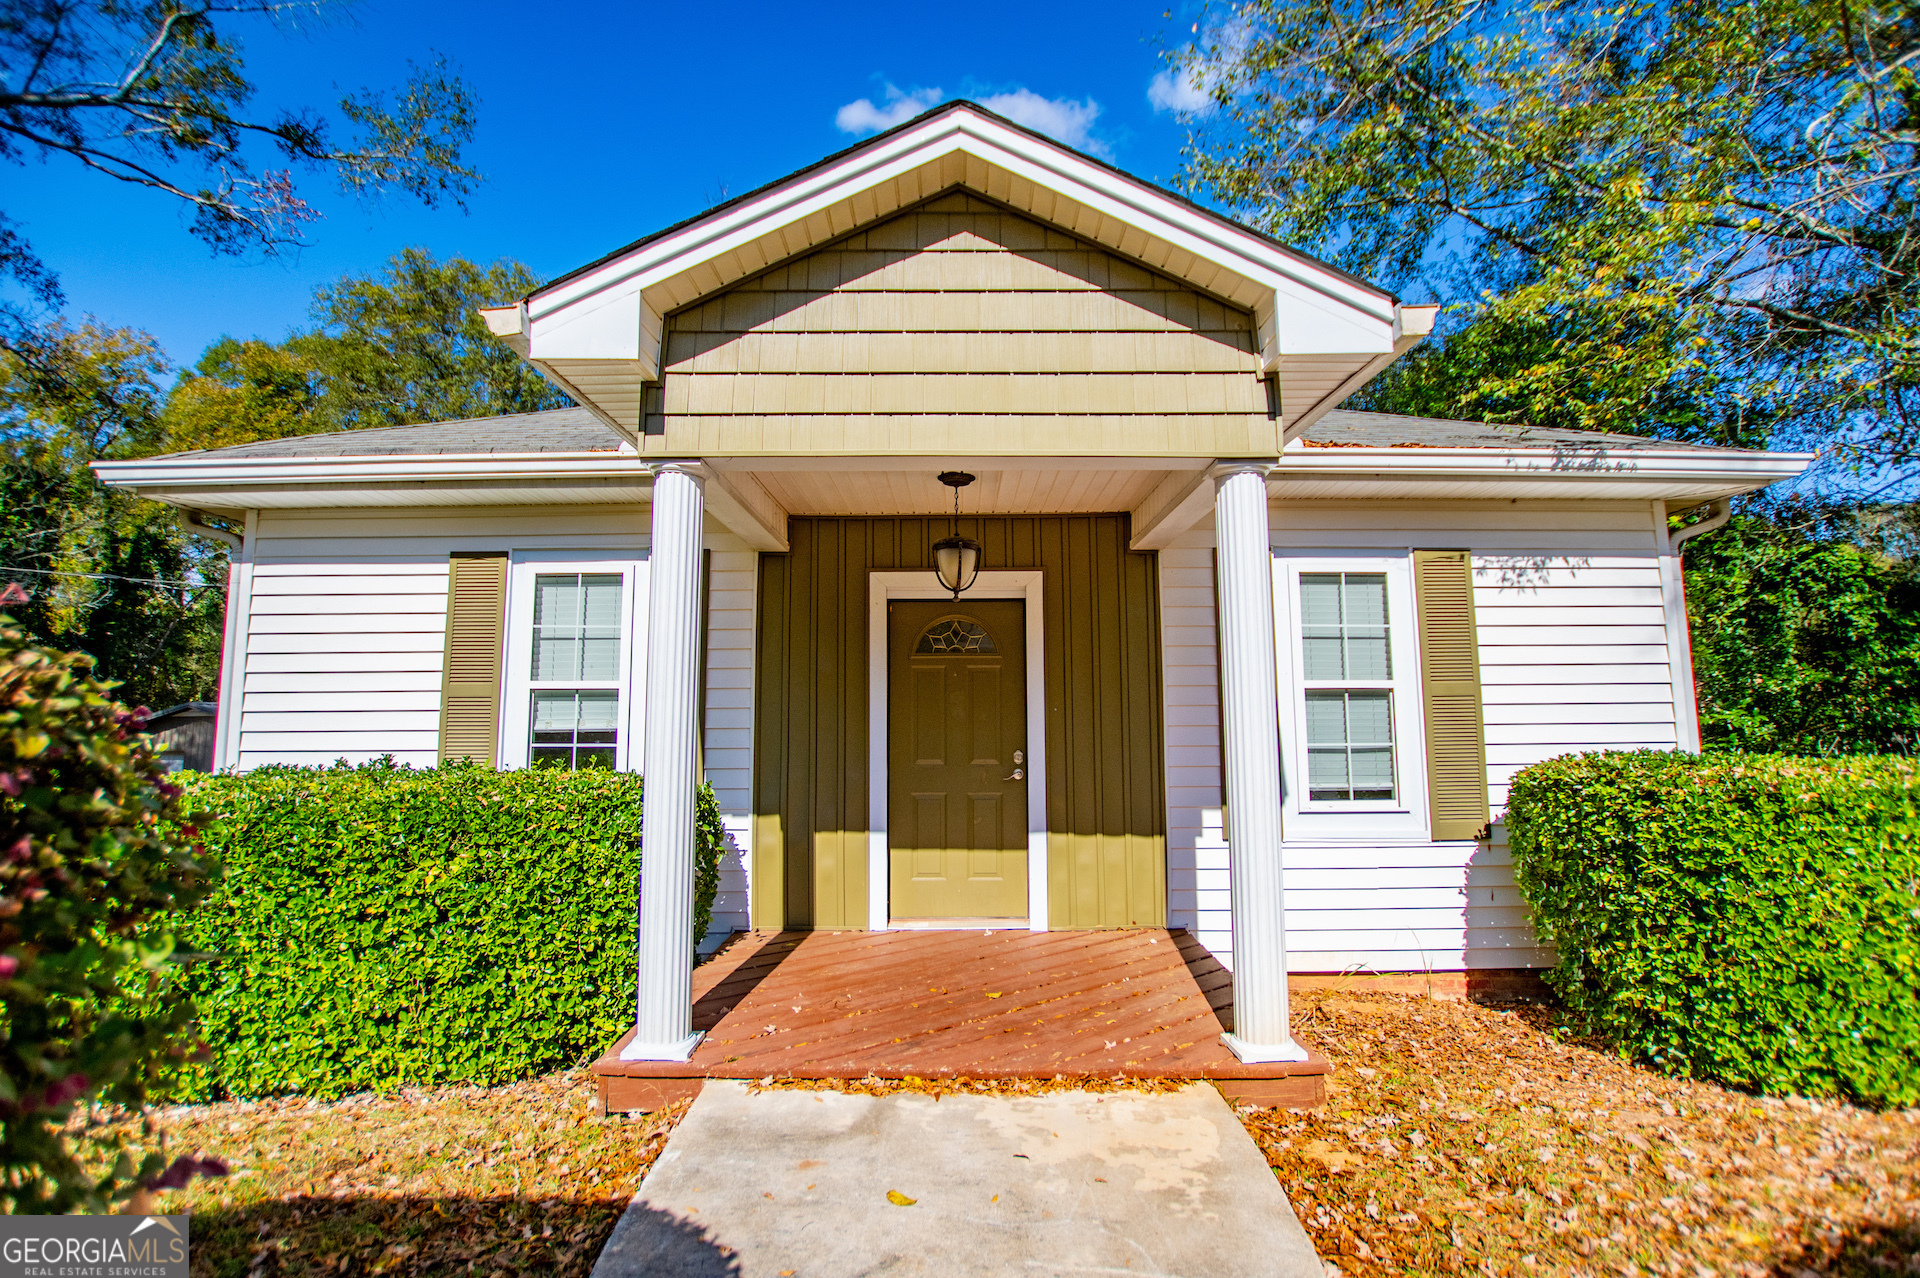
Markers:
point(1015, 1004)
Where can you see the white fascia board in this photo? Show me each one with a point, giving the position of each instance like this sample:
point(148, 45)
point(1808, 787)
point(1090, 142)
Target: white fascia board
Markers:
point(1582, 465)
point(1316, 310)
point(177, 474)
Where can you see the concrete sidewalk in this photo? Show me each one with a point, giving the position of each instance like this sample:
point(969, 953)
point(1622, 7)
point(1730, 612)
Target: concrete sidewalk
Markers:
point(793, 1184)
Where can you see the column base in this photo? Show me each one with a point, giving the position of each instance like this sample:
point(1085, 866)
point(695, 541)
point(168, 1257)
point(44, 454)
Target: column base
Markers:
point(680, 1051)
point(1286, 1052)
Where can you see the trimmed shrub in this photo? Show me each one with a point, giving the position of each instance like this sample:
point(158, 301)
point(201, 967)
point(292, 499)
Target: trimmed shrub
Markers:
point(88, 873)
point(1752, 919)
point(385, 926)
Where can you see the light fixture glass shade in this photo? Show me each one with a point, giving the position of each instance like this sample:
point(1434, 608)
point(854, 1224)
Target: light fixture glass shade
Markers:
point(956, 561)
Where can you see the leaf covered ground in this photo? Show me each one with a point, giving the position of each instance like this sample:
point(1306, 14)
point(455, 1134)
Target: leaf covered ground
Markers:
point(1460, 1138)
point(504, 1180)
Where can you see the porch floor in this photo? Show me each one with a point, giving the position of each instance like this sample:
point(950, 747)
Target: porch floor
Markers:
point(1139, 1003)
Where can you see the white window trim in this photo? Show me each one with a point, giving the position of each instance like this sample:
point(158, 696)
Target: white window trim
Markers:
point(1306, 820)
point(518, 687)
point(885, 586)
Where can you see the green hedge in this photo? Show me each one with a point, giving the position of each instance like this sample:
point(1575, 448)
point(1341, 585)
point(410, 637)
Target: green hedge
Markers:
point(1747, 918)
point(383, 926)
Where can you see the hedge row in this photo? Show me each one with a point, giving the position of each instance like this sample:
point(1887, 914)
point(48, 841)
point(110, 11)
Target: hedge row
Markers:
point(1747, 918)
point(383, 926)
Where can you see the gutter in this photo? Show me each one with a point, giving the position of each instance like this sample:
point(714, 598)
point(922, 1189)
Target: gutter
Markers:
point(1719, 512)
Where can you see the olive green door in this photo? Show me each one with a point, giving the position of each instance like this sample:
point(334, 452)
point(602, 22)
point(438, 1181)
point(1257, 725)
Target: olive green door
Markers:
point(956, 759)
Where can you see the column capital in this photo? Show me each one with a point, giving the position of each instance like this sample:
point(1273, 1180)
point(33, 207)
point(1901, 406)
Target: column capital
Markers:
point(1227, 467)
point(693, 469)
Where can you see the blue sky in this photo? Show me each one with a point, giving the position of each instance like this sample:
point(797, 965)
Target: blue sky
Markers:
point(598, 123)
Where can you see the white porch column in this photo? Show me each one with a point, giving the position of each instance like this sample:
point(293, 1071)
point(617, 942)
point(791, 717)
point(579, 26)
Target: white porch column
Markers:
point(1249, 701)
point(663, 1006)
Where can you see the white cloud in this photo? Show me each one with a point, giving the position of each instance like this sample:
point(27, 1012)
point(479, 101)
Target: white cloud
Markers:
point(1067, 120)
point(862, 116)
point(1181, 92)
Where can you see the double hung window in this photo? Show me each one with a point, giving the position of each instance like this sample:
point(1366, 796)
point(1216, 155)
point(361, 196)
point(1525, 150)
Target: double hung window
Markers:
point(571, 660)
point(1352, 756)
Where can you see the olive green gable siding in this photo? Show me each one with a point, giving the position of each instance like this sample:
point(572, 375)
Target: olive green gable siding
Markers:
point(960, 326)
point(1106, 801)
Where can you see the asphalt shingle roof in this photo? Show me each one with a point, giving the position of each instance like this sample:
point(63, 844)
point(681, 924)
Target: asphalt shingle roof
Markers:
point(575, 430)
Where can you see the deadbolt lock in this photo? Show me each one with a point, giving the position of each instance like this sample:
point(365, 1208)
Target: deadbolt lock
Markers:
point(1019, 756)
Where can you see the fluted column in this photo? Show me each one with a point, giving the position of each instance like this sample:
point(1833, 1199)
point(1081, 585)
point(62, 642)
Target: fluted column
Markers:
point(663, 1006)
point(1249, 701)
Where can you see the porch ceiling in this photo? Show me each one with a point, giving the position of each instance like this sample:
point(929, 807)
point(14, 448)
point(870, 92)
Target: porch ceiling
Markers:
point(1021, 490)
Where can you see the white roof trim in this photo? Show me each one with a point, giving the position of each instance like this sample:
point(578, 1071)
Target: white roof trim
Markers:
point(612, 313)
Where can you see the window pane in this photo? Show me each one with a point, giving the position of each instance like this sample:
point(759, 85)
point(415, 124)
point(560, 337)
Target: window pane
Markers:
point(576, 626)
point(1320, 599)
point(1343, 619)
point(1326, 718)
point(575, 728)
point(1366, 600)
point(1349, 745)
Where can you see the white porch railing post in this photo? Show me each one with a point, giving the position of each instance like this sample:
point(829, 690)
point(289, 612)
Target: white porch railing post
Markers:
point(663, 1004)
point(1250, 704)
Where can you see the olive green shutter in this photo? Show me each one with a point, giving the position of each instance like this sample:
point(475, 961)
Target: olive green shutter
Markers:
point(470, 685)
point(1450, 694)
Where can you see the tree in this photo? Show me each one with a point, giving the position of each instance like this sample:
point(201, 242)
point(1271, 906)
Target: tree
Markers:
point(404, 346)
point(410, 346)
point(156, 95)
point(107, 573)
point(1805, 640)
point(1631, 205)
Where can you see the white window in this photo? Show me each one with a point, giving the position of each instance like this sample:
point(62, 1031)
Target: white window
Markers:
point(1349, 686)
point(571, 662)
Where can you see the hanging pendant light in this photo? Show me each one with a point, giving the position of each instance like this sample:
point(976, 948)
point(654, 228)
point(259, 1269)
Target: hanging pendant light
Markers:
point(956, 559)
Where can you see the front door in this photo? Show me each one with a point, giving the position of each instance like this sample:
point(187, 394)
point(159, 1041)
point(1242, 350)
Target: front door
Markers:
point(956, 759)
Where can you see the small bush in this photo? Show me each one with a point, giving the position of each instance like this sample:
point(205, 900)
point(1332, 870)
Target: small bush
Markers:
point(88, 869)
point(1747, 918)
point(384, 926)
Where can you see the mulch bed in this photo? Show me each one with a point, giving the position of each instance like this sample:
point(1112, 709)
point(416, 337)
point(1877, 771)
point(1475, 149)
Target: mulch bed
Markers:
point(505, 1180)
point(1460, 1138)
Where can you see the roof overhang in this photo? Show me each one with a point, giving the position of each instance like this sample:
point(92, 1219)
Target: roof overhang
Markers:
point(597, 332)
point(1579, 473)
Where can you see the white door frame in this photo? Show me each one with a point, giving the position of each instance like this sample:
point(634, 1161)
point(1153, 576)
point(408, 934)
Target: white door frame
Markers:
point(883, 587)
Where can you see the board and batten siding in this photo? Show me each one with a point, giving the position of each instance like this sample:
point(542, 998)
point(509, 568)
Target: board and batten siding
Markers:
point(344, 640)
point(1105, 807)
point(1573, 654)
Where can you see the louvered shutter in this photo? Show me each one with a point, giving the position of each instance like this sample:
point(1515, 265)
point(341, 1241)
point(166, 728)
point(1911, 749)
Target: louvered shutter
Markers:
point(470, 684)
point(1450, 694)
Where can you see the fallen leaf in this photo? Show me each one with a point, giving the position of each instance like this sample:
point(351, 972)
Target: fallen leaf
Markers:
point(899, 1199)
point(995, 995)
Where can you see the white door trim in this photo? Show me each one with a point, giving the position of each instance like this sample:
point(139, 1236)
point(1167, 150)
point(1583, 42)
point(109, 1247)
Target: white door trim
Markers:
point(885, 586)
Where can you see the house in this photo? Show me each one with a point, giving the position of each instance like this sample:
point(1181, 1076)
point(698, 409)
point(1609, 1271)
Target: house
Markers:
point(183, 736)
point(1203, 651)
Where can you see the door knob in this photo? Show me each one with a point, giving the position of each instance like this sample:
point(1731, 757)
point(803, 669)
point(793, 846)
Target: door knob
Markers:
point(1018, 775)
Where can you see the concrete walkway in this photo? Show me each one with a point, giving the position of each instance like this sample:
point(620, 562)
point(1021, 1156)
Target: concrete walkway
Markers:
point(792, 1184)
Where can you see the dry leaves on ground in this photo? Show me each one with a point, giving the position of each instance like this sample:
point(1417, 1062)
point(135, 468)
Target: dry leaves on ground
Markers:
point(504, 1180)
point(1460, 1138)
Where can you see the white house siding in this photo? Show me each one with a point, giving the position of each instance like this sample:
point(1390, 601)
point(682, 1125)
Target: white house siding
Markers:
point(1574, 656)
point(1198, 879)
point(346, 622)
point(732, 587)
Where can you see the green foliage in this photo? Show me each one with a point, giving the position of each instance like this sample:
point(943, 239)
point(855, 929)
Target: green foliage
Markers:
point(384, 926)
point(1803, 644)
point(1631, 207)
point(107, 574)
point(1746, 918)
point(404, 346)
point(95, 850)
point(157, 96)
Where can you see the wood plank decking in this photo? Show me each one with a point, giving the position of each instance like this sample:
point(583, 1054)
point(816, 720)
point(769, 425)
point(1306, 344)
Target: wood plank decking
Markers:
point(1016, 1004)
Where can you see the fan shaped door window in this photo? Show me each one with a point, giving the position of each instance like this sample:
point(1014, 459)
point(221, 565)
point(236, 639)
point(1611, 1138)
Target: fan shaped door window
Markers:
point(956, 755)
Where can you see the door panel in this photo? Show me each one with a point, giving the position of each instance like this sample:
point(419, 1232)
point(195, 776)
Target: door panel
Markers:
point(957, 715)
